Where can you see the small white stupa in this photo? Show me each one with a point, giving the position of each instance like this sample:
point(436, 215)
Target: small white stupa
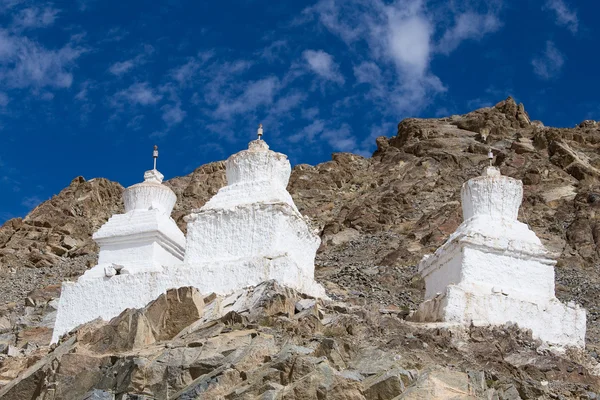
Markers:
point(135, 248)
point(251, 230)
point(494, 269)
point(145, 238)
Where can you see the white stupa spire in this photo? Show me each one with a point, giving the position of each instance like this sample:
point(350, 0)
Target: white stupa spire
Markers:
point(260, 131)
point(155, 155)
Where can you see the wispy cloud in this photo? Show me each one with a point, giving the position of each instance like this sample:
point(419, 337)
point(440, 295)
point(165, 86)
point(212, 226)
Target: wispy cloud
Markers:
point(340, 139)
point(172, 114)
point(185, 73)
point(273, 52)
point(120, 68)
point(564, 16)
point(309, 132)
point(468, 25)
point(322, 64)
point(6, 5)
point(256, 93)
point(25, 63)
point(549, 63)
point(115, 35)
point(140, 93)
point(31, 202)
point(35, 17)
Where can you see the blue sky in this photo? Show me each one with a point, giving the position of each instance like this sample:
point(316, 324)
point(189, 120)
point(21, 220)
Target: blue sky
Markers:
point(88, 87)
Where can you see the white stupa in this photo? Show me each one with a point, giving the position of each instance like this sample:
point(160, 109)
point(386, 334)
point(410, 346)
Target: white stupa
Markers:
point(251, 230)
point(494, 269)
point(136, 248)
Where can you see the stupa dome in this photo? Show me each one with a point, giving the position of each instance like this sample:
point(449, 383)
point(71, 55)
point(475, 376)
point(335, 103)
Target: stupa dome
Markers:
point(150, 194)
point(258, 163)
point(492, 194)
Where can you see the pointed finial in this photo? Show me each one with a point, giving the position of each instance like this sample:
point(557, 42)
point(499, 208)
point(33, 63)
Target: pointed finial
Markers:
point(491, 156)
point(260, 131)
point(155, 155)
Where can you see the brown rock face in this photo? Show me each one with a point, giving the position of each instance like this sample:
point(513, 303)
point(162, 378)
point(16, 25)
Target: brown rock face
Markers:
point(161, 320)
point(61, 226)
point(252, 345)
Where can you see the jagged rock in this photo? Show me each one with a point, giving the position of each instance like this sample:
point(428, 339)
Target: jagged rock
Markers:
point(387, 385)
point(136, 328)
point(440, 383)
point(75, 212)
point(97, 394)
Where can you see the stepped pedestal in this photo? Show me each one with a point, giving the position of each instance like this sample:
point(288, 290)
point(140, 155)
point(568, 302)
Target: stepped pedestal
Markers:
point(495, 270)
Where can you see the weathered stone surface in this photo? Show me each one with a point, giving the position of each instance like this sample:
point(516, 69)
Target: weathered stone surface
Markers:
point(439, 384)
point(162, 319)
point(251, 346)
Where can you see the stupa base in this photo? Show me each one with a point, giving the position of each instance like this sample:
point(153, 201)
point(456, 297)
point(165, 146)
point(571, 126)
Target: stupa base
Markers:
point(549, 320)
point(105, 298)
point(224, 277)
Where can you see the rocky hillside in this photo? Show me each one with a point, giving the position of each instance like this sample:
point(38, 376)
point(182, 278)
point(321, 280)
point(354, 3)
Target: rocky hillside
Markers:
point(269, 342)
point(377, 216)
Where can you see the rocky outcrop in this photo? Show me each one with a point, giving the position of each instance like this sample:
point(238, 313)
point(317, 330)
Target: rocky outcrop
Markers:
point(60, 227)
point(269, 342)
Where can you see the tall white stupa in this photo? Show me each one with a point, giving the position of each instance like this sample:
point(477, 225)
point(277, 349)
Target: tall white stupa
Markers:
point(494, 269)
point(251, 230)
point(135, 249)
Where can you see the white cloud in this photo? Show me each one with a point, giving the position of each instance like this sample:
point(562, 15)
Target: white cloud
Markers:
point(255, 94)
point(25, 63)
point(367, 72)
point(564, 15)
point(221, 79)
point(408, 42)
point(468, 25)
point(140, 93)
point(340, 139)
point(115, 35)
point(399, 38)
point(6, 5)
point(35, 17)
point(309, 132)
point(122, 67)
point(172, 114)
point(549, 63)
point(185, 73)
point(273, 51)
point(322, 64)
point(85, 5)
